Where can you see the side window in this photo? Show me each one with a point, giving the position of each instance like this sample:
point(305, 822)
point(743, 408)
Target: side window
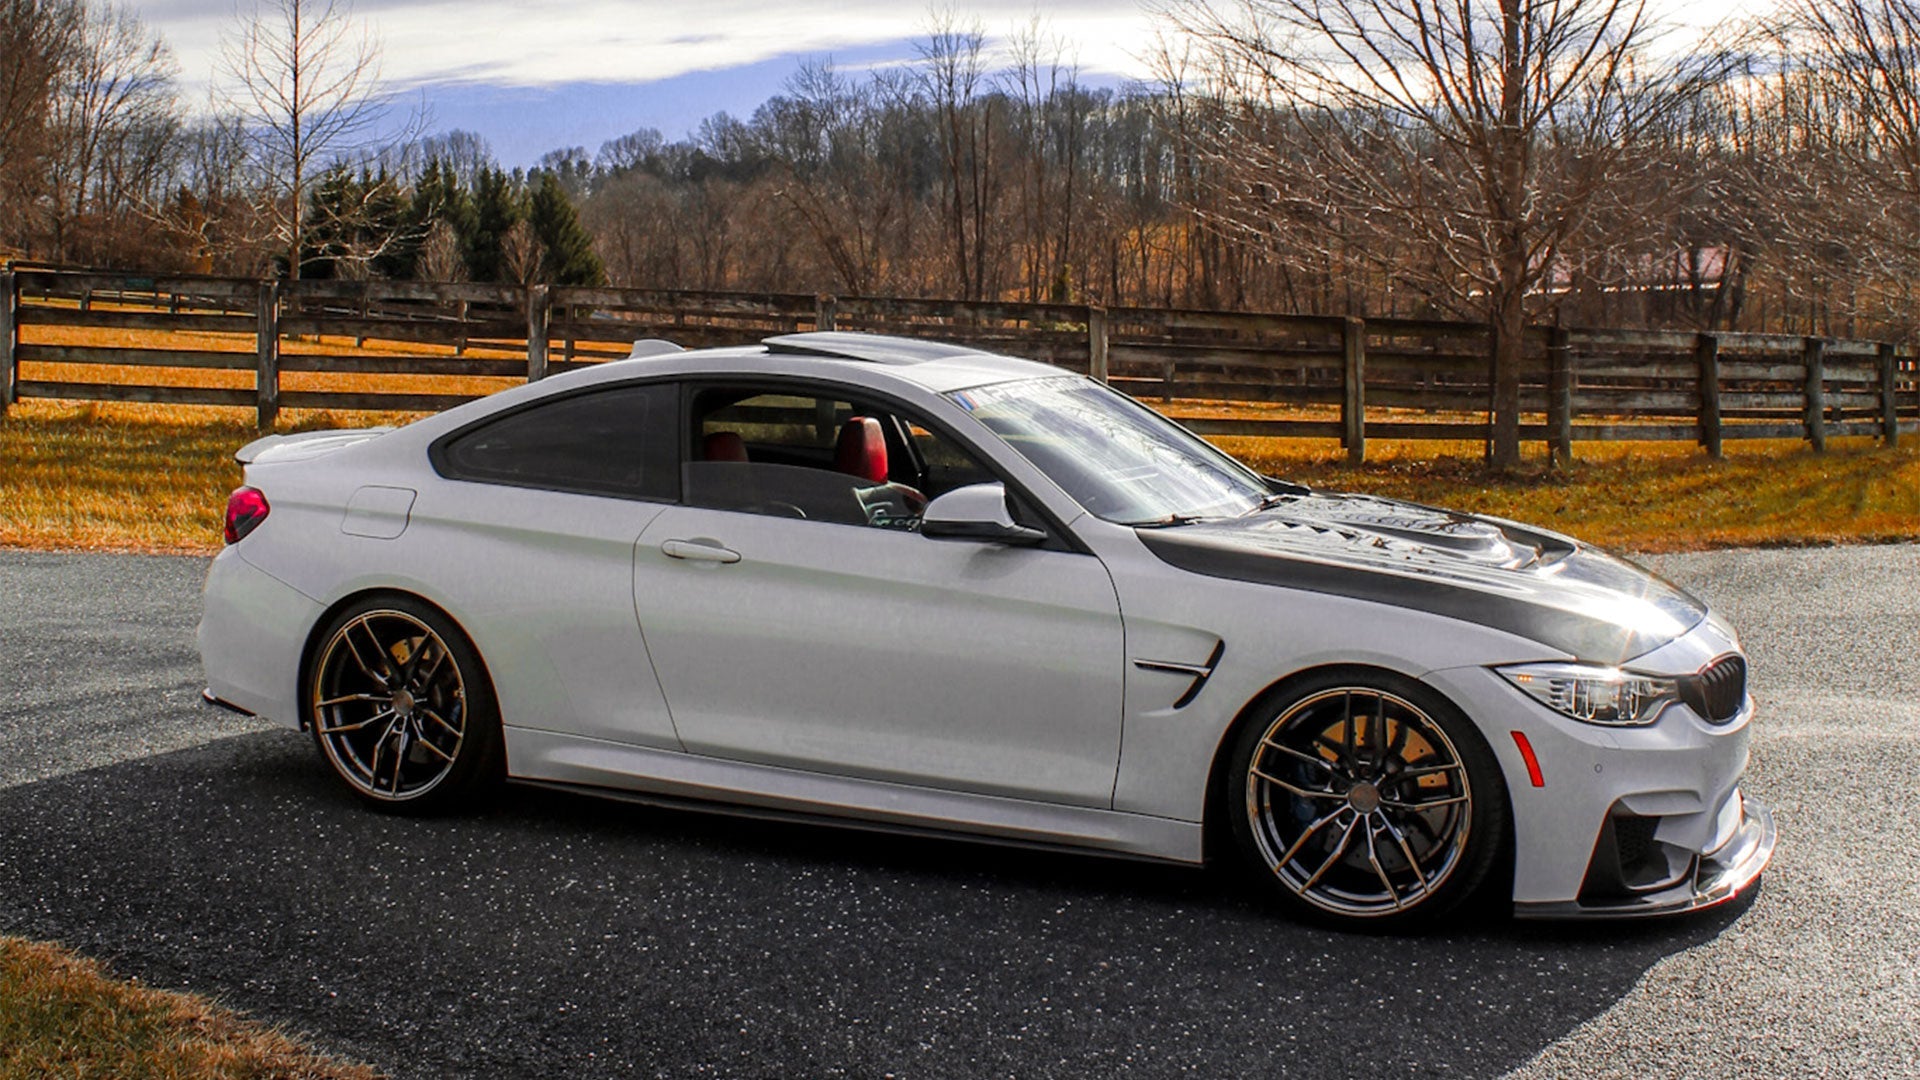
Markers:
point(608, 442)
point(946, 465)
point(817, 458)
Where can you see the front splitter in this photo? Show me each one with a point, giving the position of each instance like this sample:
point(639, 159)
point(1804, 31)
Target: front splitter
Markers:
point(1722, 875)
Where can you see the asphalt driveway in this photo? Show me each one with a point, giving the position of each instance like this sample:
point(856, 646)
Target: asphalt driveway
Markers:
point(558, 936)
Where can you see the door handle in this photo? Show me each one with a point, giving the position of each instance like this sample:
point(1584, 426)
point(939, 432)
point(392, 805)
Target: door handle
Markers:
point(699, 550)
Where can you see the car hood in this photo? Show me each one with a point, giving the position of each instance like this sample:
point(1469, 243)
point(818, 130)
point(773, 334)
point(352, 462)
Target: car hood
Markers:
point(1537, 584)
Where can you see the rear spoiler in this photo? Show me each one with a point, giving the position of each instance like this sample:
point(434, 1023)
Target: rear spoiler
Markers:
point(312, 443)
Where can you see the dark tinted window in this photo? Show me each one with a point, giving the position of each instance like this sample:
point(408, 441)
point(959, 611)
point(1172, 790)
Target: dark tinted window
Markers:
point(608, 442)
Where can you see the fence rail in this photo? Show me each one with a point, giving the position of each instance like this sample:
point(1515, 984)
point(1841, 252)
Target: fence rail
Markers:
point(417, 346)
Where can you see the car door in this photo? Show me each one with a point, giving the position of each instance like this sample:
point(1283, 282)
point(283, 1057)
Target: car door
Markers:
point(531, 531)
point(789, 631)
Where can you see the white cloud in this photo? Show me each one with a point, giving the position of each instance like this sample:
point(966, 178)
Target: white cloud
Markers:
point(507, 43)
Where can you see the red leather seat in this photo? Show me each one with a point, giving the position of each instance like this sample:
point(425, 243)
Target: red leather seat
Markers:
point(862, 454)
point(862, 450)
point(723, 446)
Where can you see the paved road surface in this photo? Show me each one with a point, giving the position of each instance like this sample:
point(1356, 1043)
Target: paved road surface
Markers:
point(557, 936)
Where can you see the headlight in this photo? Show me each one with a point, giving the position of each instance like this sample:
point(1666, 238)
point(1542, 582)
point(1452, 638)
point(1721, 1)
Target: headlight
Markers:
point(1595, 694)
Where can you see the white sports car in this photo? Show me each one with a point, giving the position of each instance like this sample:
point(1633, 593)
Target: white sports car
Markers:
point(914, 586)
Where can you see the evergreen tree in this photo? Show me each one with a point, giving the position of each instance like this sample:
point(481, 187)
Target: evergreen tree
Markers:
point(437, 197)
point(354, 224)
point(499, 200)
point(570, 258)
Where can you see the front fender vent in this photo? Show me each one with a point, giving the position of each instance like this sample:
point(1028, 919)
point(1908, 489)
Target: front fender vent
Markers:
point(1719, 690)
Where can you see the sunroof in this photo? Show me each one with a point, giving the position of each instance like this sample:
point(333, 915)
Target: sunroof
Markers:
point(873, 348)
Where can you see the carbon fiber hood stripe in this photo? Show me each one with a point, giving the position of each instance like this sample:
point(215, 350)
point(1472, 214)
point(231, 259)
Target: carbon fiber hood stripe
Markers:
point(1570, 598)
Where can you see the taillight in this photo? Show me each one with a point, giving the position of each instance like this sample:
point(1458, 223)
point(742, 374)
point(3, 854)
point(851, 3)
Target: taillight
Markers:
point(246, 509)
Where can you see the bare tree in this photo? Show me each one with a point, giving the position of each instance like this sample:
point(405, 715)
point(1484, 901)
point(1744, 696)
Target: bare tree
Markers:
point(1843, 159)
point(1460, 146)
point(440, 255)
point(520, 253)
point(306, 78)
point(37, 40)
point(954, 77)
point(116, 118)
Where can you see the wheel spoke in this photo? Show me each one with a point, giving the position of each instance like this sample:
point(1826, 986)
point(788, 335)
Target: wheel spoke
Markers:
point(1305, 793)
point(1304, 837)
point(346, 635)
point(1347, 733)
point(373, 767)
point(1431, 804)
point(1346, 840)
point(342, 729)
point(1373, 856)
point(1297, 755)
point(1406, 850)
point(436, 718)
point(405, 741)
point(428, 744)
point(1377, 732)
point(1425, 770)
point(344, 698)
point(439, 658)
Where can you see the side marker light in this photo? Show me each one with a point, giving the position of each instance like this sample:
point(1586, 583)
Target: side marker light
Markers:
point(1533, 763)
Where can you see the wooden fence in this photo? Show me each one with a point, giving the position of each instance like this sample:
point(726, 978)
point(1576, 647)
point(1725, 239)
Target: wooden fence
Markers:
point(410, 346)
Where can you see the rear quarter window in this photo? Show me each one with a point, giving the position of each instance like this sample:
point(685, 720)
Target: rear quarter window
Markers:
point(620, 442)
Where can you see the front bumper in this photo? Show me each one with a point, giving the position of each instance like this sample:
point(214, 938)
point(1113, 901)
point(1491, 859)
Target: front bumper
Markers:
point(1717, 877)
point(1622, 820)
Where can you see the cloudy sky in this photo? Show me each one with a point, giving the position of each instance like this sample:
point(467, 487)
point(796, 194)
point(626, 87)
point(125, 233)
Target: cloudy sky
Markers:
point(533, 76)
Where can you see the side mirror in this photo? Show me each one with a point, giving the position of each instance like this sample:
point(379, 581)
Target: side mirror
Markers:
point(976, 512)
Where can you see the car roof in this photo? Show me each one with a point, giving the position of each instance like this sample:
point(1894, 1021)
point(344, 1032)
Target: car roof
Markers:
point(880, 359)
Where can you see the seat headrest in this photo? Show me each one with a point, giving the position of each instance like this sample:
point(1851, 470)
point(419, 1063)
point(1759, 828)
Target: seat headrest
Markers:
point(862, 450)
point(723, 446)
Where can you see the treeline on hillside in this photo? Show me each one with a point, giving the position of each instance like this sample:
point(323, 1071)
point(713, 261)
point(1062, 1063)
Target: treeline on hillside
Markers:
point(1771, 182)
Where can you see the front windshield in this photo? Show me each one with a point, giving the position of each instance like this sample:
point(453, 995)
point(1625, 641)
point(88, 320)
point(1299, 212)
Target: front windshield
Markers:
point(1117, 458)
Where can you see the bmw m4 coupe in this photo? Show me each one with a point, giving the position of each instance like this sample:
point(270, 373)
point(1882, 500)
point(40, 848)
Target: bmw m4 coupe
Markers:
point(915, 586)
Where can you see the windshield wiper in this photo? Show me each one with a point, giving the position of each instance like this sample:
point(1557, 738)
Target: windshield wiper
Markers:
point(1167, 522)
point(1285, 490)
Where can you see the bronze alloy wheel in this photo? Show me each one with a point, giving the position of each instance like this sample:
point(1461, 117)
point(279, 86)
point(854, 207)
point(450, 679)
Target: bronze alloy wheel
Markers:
point(399, 706)
point(1364, 805)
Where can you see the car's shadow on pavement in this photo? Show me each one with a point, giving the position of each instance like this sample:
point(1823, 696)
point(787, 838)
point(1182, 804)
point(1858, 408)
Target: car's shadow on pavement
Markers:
point(555, 935)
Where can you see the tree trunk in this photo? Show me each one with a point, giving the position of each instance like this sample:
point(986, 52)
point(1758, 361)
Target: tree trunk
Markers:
point(1509, 325)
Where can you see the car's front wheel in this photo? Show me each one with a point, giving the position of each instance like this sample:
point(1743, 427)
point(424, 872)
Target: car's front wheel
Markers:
point(1366, 801)
point(400, 706)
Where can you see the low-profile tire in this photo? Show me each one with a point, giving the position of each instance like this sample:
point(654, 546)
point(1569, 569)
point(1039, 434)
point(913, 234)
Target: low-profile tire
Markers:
point(1364, 800)
point(401, 707)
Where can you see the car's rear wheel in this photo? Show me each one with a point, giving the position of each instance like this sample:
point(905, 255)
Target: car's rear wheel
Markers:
point(401, 707)
point(1367, 801)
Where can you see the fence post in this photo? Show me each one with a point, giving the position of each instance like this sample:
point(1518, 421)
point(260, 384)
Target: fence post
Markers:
point(539, 305)
point(1353, 397)
point(9, 339)
point(1889, 405)
point(825, 308)
point(266, 379)
point(1559, 395)
point(1097, 342)
point(1815, 354)
point(1707, 352)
